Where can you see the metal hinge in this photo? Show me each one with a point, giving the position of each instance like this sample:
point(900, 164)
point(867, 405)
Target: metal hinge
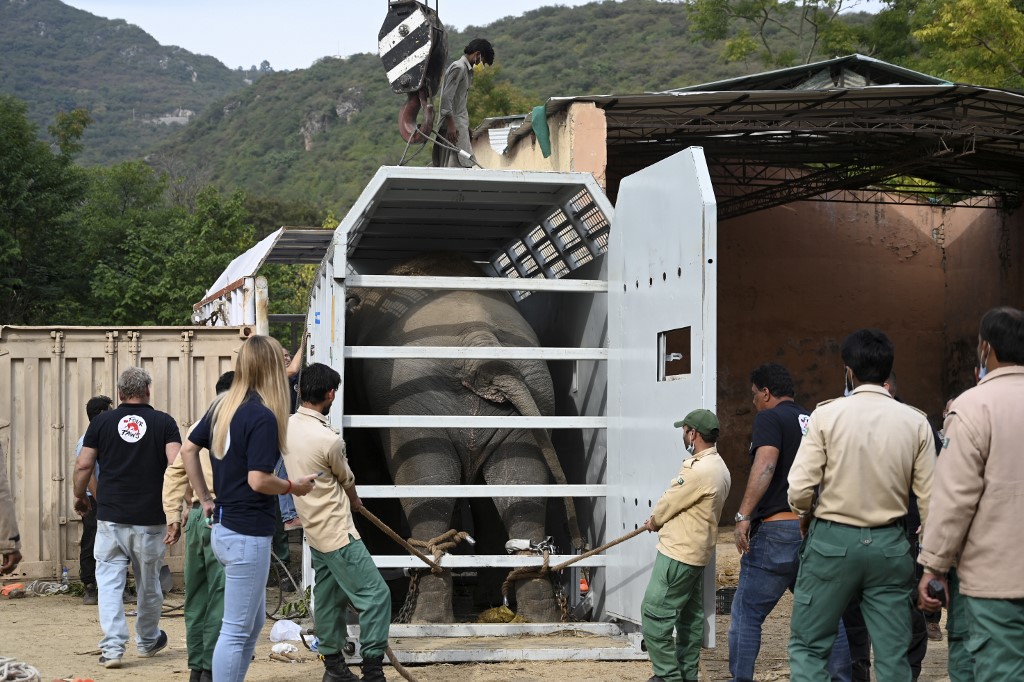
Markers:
point(58, 342)
point(186, 342)
point(111, 346)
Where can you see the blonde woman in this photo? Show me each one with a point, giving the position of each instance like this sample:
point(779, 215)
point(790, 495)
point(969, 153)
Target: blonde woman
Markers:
point(245, 429)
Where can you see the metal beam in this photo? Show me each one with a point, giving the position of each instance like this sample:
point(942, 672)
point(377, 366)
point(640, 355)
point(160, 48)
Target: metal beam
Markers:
point(457, 491)
point(590, 286)
point(474, 353)
point(483, 560)
point(400, 421)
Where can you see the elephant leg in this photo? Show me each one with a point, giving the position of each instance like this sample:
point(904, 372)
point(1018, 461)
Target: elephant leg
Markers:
point(518, 460)
point(427, 458)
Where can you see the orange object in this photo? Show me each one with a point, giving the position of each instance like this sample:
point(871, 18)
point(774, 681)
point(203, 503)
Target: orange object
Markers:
point(7, 589)
point(584, 585)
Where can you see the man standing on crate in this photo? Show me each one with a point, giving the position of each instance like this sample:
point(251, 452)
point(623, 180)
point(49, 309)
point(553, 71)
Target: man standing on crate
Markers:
point(686, 520)
point(345, 572)
point(861, 457)
point(767, 532)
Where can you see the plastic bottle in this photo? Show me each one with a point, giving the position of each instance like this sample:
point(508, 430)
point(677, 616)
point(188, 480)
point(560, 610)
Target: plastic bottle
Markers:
point(64, 584)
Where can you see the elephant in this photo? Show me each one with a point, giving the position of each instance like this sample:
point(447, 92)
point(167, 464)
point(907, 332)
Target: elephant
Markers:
point(452, 456)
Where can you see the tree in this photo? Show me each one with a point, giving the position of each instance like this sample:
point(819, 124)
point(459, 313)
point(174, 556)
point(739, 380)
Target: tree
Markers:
point(166, 267)
point(493, 96)
point(265, 67)
point(779, 33)
point(38, 190)
point(974, 41)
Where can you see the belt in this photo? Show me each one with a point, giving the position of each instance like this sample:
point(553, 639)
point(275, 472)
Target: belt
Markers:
point(894, 524)
point(781, 516)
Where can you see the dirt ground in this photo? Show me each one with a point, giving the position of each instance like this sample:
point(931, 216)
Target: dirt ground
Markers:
point(57, 635)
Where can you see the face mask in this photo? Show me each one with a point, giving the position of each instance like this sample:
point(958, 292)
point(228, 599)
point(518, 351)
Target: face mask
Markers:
point(690, 447)
point(982, 369)
point(848, 386)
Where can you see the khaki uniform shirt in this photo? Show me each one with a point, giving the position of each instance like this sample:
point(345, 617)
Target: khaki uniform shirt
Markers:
point(176, 485)
point(315, 446)
point(979, 489)
point(864, 453)
point(688, 512)
point(9, 538)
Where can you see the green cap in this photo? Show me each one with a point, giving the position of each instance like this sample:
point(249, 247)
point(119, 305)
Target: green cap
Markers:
point(704, 421)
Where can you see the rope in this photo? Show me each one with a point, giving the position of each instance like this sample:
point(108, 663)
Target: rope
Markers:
point(440, 545)
point(17, 671)
point(530, 572)
point(524, 573)
point(434, 566)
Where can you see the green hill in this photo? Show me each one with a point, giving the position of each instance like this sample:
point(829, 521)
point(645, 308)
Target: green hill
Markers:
point(57, 58)
point(316, 135)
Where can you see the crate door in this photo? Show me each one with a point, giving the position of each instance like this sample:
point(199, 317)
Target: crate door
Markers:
point(662, 308)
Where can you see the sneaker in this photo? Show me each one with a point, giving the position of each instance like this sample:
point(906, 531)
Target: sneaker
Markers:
point(294, 524)
point(90, 597)
point(161, 644)
point(110, 662)
point(934, 632)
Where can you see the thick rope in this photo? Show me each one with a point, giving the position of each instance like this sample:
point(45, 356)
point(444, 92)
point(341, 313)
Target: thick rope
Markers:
point(531, 572)
point(11, 669)
point(434, 566)
point(440, 545)
point(524, 573)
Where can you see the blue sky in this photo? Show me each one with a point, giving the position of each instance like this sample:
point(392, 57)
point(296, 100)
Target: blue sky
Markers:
point(290, 35)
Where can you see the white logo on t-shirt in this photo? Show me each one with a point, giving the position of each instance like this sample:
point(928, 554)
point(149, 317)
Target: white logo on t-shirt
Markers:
point(805, 421)
point(131, 428)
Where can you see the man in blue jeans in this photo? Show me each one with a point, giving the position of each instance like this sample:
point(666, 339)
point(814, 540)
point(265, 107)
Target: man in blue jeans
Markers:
point(133, 444)
point(767, 532)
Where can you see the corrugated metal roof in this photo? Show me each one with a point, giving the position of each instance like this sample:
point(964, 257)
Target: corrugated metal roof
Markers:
point(965, 138)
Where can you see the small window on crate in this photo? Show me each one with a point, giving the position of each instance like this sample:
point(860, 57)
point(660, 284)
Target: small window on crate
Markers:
point(674, 354)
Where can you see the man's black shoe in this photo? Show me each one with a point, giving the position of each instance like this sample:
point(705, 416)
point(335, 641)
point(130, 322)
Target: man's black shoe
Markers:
point(373, 669)
point(335, 670)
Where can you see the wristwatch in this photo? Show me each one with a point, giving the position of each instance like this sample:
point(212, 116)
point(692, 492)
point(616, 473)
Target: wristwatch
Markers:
point(742, 517)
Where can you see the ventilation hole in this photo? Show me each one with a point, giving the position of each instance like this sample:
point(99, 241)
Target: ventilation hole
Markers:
point(624, 288)
point(663, 277)
point(638, 284)
point(679, 272)
point(636, 502)
point(711, 260)
point(650, 281)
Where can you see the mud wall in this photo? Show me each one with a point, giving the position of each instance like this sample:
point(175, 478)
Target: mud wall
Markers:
point(794, 280)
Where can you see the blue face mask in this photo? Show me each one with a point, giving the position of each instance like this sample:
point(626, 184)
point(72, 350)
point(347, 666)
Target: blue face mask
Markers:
point(982, 369)
point(848, 390)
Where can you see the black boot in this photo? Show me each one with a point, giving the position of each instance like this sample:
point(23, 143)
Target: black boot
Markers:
point(373, 669)
point(335, 669)
point(206, 676)
point(194, 675)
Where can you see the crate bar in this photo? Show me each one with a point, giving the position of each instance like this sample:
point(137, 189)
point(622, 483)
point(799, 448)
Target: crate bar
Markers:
point(507, 653)
point(387, 421)
point(424, 491)
point(589, 286)
point(474, 353)
point(482, 561)
point(496, 629)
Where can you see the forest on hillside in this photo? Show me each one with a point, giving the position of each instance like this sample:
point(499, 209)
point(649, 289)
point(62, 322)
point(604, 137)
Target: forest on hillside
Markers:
point(108, 219)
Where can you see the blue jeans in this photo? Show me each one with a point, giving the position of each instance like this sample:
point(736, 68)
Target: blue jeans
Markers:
point(286, 502)
point(767, 570)
point(246, 561)
point(117, 544)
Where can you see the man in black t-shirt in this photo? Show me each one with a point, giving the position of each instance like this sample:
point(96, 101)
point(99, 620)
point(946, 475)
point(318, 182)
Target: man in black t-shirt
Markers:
point(767, 532)
point(133, 444)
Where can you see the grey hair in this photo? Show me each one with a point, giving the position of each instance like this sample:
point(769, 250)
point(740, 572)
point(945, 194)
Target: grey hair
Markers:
point(133, 383)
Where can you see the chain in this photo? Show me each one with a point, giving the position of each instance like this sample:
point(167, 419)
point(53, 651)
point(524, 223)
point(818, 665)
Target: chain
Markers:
point(405, 613)
point(563, 603)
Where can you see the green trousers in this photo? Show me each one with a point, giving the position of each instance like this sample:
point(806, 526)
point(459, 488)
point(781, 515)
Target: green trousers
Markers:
point(343, 577)
point(996, 640)
point(674, 599)
point(960, 662)
point(204, 593)
point(837, 564)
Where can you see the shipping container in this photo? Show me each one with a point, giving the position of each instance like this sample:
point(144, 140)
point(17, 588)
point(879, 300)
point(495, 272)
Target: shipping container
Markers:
point(47, 374)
